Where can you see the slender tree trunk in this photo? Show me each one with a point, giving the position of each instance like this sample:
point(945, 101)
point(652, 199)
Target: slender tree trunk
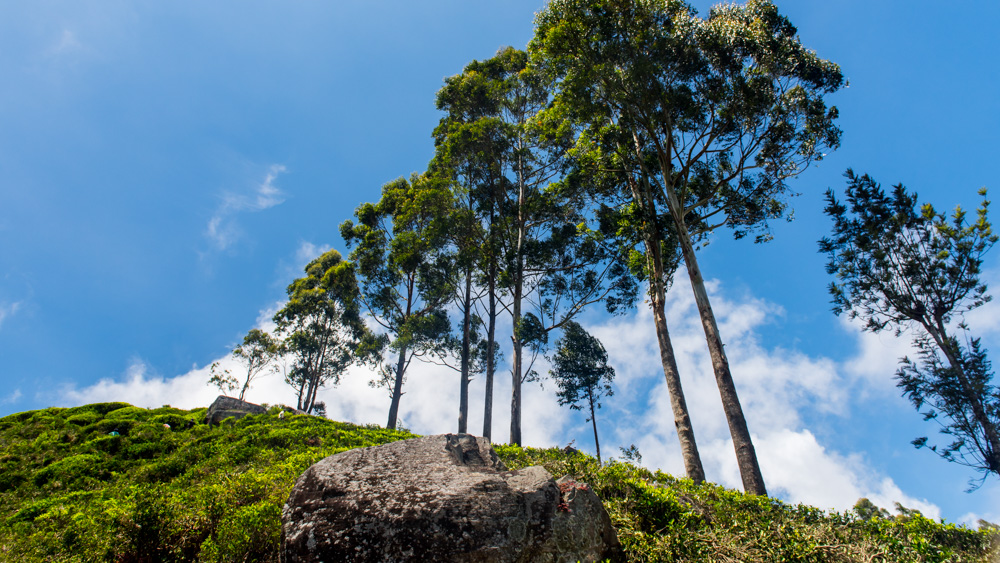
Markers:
point(593, 419)
point(746, 456)
point(678, 404)
point(943, 341)
point(302, 390)
point(490, 352)
point(642, 196)
point(463, 407)
point(397, 389)
point(515, 399)
point(515, 395)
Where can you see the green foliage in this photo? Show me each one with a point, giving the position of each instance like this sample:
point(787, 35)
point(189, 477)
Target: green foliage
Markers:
point(899, 265)
point(405, 269)
point(256, 354)
point(582, 373)
point(71, 491)
point(322, 326)
point(194, 493)
point(661, 518)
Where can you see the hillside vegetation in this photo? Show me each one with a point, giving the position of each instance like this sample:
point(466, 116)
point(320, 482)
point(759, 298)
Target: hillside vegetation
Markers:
point(113, 482)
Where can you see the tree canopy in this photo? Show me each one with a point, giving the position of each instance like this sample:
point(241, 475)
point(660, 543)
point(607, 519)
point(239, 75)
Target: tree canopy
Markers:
point(899, 265)
point(322, 326)
point(582, 373)
point(706, 118)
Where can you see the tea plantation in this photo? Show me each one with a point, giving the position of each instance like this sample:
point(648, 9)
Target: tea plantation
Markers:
point(113, 482)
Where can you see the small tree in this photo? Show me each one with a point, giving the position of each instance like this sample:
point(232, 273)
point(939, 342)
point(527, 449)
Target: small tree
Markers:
point(582, 373)
point(256, 354)
point(322, 321)
point(899, 266)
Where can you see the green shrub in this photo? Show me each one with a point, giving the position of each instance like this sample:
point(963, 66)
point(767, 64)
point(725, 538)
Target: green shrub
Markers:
point(71, 492)
point(83, 419)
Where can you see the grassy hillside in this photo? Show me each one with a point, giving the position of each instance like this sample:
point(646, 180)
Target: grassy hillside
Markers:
point(113, 482)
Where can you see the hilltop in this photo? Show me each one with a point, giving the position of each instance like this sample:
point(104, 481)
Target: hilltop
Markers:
point(114, 482)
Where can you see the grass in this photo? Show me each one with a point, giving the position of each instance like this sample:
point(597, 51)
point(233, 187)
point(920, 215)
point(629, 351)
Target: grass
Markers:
point(112, 482)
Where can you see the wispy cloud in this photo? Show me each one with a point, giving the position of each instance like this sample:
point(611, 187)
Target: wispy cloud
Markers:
point(223, 230)
point(8, 310)
point(67, 43)
point(307, 252)
point(14, 397)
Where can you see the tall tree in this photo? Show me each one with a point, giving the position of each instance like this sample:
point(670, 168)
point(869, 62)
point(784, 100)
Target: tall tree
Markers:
point(322, 325)
point(582, 373)
point(899, 265)
point(717, 113)
point(406, 273)
point(646, 239)
point(468, 142)
point(536, 249)
point(256, 354)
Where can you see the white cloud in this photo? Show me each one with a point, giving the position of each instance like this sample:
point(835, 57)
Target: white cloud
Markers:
point(307, 252)
point(991, 491)
point(781, 391)
point(7, 310)
point(222, 229)
point(67, 43)
point(14, 397)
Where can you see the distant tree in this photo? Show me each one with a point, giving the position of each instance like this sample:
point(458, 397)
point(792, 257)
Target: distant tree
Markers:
point(899, 266)
point(322, 325)
point(582, 374)
point(715, 114)
point(256, 355)
point(406, 273)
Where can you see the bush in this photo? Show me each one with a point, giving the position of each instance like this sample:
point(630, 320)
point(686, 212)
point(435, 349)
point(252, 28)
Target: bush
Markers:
point(71, 492)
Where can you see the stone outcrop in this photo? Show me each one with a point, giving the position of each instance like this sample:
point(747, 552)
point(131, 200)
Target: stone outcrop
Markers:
point(225, 407)
point(441, 498)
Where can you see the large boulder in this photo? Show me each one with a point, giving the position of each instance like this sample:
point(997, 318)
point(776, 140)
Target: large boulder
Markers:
point(225, 407)
point(441, 498)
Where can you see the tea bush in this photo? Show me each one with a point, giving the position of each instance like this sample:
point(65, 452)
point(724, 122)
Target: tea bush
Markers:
point(113, 482)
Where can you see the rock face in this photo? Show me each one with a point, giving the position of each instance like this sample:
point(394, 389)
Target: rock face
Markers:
point(440, 498)
point(225, 407)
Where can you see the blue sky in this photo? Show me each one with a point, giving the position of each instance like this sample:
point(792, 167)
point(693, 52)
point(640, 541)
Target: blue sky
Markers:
point(166, 169)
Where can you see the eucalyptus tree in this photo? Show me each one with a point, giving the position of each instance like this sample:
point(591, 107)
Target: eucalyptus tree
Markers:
point(582, 373)
point(900, 265)
point(468, 141)
point(405, 273)
point(322, 327)
point(716, 113)
point(511, 150)
point(645, 239)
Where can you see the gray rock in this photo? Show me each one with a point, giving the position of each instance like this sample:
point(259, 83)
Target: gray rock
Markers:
point(225, 407)
point(441, 498)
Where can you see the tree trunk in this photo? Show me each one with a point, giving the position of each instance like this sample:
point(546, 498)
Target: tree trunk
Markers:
point(682, 418)
point(943, 341)
point(463, 407)
point(643, 197)
point(397, 389)
point(302, 390)
point(593, 419)
point(490, 351)
point(746, 456)
point(515, 394)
